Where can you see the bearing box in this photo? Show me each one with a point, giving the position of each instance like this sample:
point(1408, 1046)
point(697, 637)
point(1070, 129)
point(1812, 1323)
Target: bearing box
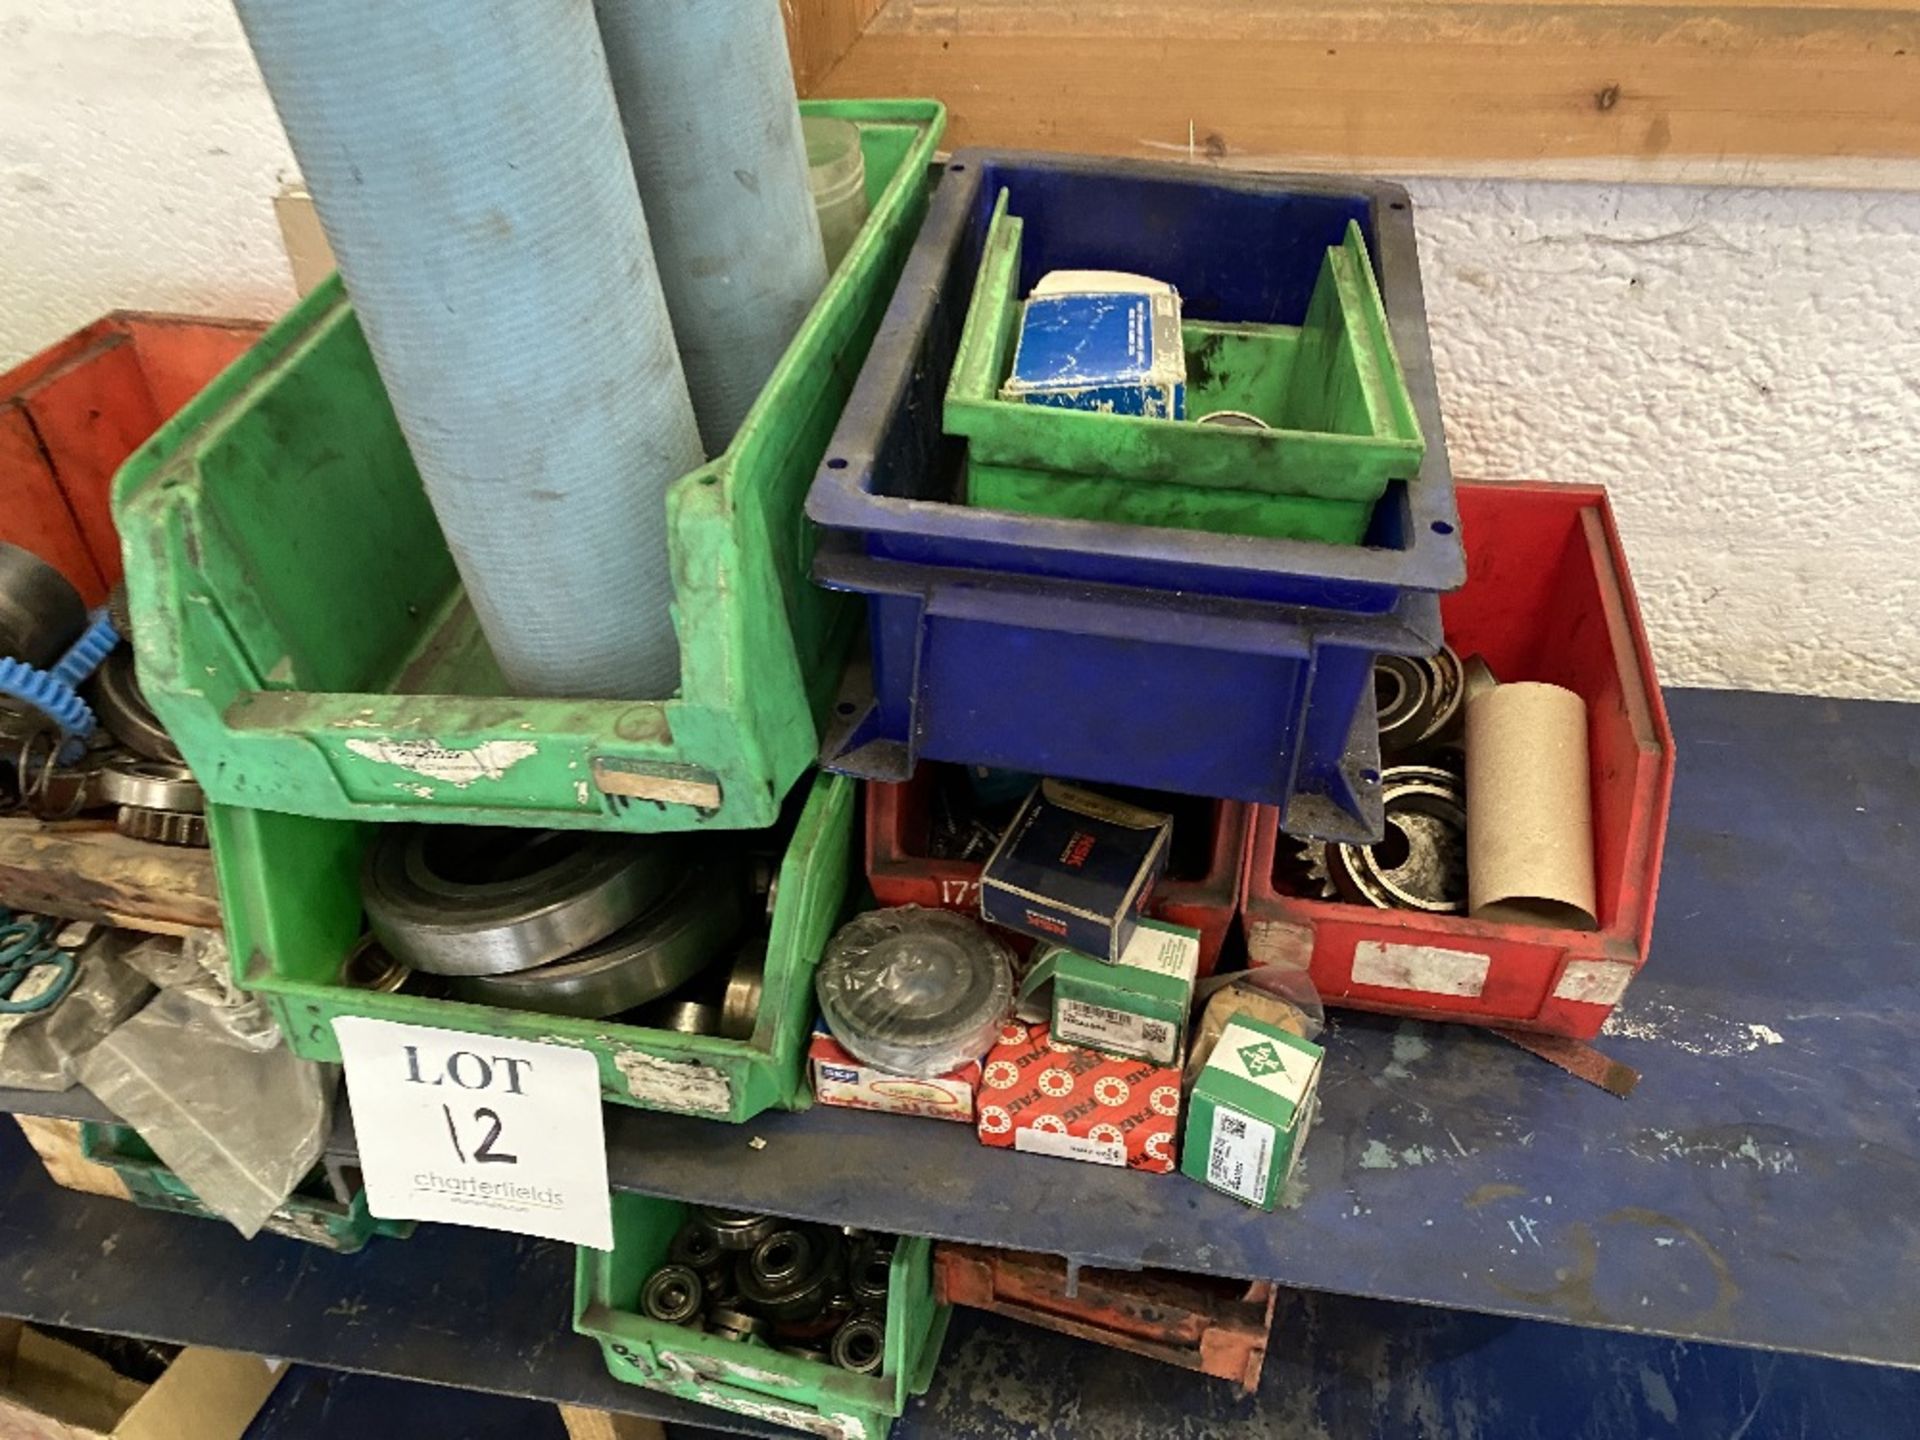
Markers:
point(1100, 340)
point(1048, 1099)
point(1075, 867)
point(1136, 1007)
point(1247, 1119)
point(840, 1079)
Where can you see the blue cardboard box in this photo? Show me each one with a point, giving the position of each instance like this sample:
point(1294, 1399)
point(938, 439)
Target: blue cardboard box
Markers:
point(1075, 867)
point(1101, 340)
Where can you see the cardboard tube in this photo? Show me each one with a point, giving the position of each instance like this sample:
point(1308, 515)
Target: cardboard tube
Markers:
point(1529, 809)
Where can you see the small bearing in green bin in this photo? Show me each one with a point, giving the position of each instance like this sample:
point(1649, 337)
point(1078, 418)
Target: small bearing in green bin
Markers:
point(695, 1247)
point(732, 1324)
point(860, 1345)
point(735, 1229)
point(672, 1295)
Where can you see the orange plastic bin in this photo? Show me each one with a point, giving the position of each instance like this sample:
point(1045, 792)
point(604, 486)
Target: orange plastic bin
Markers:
point(70, 415)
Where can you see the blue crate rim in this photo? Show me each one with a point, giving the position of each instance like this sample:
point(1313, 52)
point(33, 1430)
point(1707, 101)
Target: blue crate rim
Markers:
point(1435, 560)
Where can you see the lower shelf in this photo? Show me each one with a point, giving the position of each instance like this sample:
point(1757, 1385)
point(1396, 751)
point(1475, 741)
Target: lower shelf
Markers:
point(489, 1312)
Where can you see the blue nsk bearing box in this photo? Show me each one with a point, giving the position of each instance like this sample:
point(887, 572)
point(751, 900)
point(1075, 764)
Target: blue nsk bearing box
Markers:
point(1075, 867)
point(1101, 340)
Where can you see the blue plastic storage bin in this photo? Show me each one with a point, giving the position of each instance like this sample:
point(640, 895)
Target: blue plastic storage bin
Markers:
point(1204, 664)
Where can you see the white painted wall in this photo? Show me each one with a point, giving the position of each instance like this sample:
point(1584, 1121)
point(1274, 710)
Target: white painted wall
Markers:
point(1742, 367)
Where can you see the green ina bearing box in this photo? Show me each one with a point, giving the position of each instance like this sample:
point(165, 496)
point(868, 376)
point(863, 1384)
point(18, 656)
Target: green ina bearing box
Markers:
point(1135, 1007)
point(1247, 1120)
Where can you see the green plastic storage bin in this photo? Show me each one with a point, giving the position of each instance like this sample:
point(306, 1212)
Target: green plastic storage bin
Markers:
point(290, 889)
point(306, 640)
point(1331, 388)
point(747, 1377)
point(312, 1213)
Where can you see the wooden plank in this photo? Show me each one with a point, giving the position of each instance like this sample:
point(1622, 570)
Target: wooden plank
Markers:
point(819, 32)
point(585, 1424)
point(86, 870)
point(57, 1143)
point(1746, 92)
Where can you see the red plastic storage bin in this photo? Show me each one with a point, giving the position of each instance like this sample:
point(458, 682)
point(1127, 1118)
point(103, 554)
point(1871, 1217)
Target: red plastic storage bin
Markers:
point(1547, 598)
point(1200, 890)
point(70, 415)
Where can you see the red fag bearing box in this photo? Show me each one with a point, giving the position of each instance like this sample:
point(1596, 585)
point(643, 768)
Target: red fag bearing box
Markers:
point(1078, 1105)
point(839, 1079)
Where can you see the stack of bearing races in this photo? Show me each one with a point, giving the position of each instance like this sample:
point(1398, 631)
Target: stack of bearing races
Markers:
point(810, 1290)
point(566, 923)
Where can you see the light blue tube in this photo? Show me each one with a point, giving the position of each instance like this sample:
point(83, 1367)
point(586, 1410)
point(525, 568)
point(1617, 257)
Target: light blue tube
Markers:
point(467, 163)
point(706, 93)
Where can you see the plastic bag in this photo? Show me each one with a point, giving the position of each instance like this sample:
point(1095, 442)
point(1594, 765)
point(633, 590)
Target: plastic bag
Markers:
point(42, 1050)
point(1276, 994)
point(228, 1108)
point(915, 991)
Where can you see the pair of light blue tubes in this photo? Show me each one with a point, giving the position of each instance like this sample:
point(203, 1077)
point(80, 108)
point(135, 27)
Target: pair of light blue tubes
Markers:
point(578, 237)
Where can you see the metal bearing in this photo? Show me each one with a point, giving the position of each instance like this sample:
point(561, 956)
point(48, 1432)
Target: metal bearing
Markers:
point(1420, 864)
point(868, 1274)
point(860, 1345)
point(1418, 699)
point(740, 1010)
point(162, 827)
point(368, 966)
point(685, 1017)
point(731, 1324)
point(121, 707)
point(735, 1229)
point(1233, 420)
point(473, 901)
point(795, 1294)
point(645, 959)
point(695, 1247)
point(912, 990)
point(151, 785)
point(782, 1260)
point(672, 1295)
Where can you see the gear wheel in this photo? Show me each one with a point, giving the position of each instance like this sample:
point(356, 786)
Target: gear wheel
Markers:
point(162, 827)
point(50, 696)
point(1313, 859)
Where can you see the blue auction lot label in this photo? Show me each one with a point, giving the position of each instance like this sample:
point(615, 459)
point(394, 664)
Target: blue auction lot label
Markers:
point(473, 1130)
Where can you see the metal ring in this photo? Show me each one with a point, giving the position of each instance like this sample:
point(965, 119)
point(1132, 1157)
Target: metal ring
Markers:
point(684, 1017)
point(735, 1324)
point(694, 1246)
point(1418, 699)
point(860, 1345)
point(782, 1260)
point(121, 707)
point(795, 1297)
point(735, 1229)
point(472, 901)
point(1421, 863)
point(368, 966)
point(1234, 420)
point(161, 827)
point(740, 1011)
point(152, 785)
point(672, 1295)
point(645, 959)
point(869, 1275)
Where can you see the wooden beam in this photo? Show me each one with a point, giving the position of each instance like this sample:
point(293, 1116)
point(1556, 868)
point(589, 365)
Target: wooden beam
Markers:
point(819, 32)
point(85, 870)
point(1761, 90)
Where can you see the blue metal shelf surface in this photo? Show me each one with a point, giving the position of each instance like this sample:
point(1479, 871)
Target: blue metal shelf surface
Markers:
point(1760, 1188)
point(488, 1312)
